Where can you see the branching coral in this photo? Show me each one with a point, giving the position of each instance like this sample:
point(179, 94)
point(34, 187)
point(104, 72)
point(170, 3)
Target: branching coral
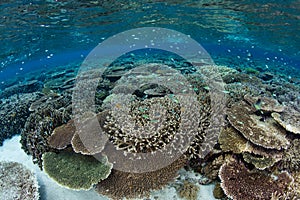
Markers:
point(132, 185)
point(40, 125)
point(260, 130)
point(240, 183)
point(17, 182)
point(75, 171)
point(291, 157)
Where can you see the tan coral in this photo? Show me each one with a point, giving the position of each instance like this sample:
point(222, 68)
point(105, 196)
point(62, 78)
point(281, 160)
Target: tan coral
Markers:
point(132, 185)
point(258, 161)
point(239, 183)
point(260, 130)
point(289, 119)
point(189, 191)
point(264, 103)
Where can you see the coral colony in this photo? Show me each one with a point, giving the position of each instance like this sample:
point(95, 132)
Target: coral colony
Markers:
point(256, 156)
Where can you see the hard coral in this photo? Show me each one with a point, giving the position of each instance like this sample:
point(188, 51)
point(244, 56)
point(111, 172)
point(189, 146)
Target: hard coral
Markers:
point(17, 182)
point(132, 185)
point(189, 191)
point(266, 104)
point(75, 171)
point(239, 183)
point(260, 130)
point(13, 114)
point(40, 125)
point(291, 157)
point(61, 136)
point(289, 119)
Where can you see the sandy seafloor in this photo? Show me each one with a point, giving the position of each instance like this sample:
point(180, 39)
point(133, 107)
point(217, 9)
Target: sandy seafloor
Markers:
point(50, 190)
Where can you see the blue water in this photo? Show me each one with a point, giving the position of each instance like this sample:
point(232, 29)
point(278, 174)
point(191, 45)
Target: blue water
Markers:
point(44, 34)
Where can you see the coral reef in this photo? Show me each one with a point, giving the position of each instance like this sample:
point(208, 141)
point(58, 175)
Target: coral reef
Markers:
point(218, 191)
point(260, 130)
point(240, 183)
point(40, 125)
point(17, 182)
point(264, 103)
point(75, 171)
point(132, 185)
point(260, 162)
point(291, 157)
point(26, 87)
point(289, 119)
point(13, 114)
point(189, 191)
point(61, 136)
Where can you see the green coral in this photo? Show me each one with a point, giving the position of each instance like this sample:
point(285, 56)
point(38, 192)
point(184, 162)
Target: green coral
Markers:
point(75, 171)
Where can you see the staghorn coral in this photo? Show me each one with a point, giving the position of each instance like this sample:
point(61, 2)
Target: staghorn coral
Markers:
point(260, 130)
point(61, 136)
point(75, 171)
point(240, 183)
point(291, 157)
point(289, 119)
point(132, 185)
point(40, 125)
point(189, 191)
point(17, 182)
point(266, 104)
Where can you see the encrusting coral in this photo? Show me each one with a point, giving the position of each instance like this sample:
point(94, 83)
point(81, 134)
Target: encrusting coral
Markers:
point(75, 171)
point(133, 185)
point(17, 182)
point(239, 183)
point(260, 130)
point(189, 191)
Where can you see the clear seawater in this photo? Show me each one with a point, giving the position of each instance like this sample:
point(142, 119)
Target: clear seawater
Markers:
point(45, 35)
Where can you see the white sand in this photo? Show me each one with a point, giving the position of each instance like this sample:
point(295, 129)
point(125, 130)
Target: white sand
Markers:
point(49, 190)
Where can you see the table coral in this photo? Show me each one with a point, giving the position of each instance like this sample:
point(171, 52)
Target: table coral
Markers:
point(75, 171)
point(239, 183)
point(121, 185)
point(260, 130)
point(289, 119)
point(291, 157)
point(266, 104)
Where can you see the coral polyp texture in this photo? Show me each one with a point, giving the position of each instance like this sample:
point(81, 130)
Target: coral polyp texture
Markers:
point(260, 130)
point(17, 182)
point(289, 119)
point(75, 171)
point(121, 185)
point(240, 183)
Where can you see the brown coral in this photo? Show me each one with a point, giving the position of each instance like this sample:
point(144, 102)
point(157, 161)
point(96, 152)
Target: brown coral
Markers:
point(266, 104)
point(240, 183)
point(61, 136)
point(132, 185)
point(291, 157)
point(260, 162)
point(289, 119)
point(189, 191)
point(260, 130)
